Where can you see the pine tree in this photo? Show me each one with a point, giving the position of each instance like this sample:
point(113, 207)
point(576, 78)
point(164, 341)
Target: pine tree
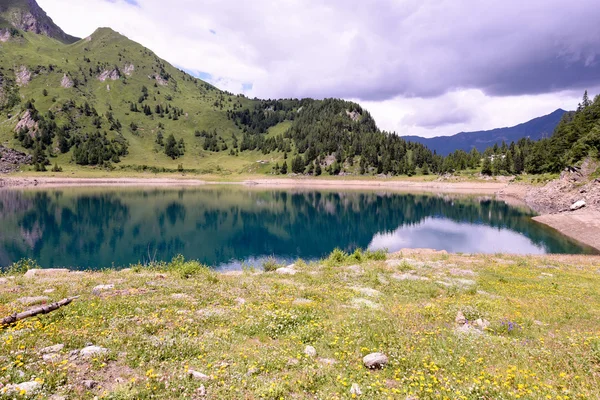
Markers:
point(486, 169)
point(284, 168)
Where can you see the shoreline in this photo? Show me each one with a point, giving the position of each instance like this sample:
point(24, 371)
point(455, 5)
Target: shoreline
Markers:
point(582, 226)
point(472, 187)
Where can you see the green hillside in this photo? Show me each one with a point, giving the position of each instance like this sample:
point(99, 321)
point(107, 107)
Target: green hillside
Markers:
point(108, 102)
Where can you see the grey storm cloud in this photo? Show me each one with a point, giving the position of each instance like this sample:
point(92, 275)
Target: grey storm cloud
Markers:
point(427, 48)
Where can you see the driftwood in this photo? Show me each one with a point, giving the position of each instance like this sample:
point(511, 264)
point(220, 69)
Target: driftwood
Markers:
point(45, 309)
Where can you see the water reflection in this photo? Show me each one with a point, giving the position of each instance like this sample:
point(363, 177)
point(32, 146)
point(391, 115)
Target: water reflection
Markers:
point(92, 228)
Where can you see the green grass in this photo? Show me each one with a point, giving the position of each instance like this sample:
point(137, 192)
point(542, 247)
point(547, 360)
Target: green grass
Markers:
point(248, 331)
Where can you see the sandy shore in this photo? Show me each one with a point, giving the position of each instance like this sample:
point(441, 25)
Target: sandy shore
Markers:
point(401, 185)
point(70, 182)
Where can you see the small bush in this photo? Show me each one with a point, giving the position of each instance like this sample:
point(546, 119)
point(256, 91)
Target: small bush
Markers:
point(270, 264)
point(21, 266)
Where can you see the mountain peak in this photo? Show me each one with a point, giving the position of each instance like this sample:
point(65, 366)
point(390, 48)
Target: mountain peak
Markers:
point(28, 16)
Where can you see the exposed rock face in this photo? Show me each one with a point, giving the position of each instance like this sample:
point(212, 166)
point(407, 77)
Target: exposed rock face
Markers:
point(354, 116)
point(27, 15)
point(159, 79)
point(572, 187)
point(112, 75)
point(577, 205)
point(67, 82)
point(129, 68)
point(4, 35)
point(23, 76)
point(26, 121)
point(10, 160)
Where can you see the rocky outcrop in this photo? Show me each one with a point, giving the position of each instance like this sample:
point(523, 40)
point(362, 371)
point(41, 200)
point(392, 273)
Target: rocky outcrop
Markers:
point(27, 15)
point(113, 75)
point(23, 76)
point(67, 82)
point(573, 187)
point(5, 35)
point(128, 69)
point(27, 122)
point(159, 79)
point(11, 160)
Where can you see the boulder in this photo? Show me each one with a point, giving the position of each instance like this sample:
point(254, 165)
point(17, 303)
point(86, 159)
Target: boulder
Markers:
point(289, 270)
point(310, 351)
point(102, 288)
point(28, 388)
point(52, 349)
point(577, 205)
point(90, 351)
point(375, 360)
point(46, 272)
point(198, 375)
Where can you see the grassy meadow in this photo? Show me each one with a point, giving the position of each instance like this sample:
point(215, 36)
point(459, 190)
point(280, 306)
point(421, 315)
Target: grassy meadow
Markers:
point(452, 326)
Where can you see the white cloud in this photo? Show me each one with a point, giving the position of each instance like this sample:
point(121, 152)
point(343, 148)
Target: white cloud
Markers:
point(425, 67)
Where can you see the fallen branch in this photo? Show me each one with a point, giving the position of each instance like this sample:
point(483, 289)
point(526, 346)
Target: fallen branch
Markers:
point(11, 319)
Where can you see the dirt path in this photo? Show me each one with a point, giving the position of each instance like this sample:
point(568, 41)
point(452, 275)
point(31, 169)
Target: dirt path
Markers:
point(582, 225)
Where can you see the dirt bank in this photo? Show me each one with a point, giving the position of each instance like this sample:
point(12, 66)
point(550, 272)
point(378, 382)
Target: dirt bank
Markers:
point(582, 225)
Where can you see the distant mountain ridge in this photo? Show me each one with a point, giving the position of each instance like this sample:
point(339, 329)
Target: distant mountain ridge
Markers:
point(28, 16)
point(536, 129)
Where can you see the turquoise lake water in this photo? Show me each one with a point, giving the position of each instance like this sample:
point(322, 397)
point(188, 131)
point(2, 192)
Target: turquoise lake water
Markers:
point(226, 227)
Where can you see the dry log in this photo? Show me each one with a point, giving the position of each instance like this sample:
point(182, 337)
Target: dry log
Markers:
point(45, 309)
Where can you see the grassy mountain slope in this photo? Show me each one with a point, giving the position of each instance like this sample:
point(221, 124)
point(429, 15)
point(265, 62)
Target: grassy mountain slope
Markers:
point(535, 129)
point(27, 15)
point(112, 73)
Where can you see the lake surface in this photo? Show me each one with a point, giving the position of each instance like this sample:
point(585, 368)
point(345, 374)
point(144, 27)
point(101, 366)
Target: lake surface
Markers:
point(226, 227)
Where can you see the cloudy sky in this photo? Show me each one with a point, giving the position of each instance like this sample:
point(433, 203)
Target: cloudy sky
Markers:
point(421, 67)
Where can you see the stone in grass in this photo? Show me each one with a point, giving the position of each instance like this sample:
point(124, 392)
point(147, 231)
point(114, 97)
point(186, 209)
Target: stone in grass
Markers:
point(90, 351)
point(26, 388)
point(375, 360)
point(32, 301)
point(310, 351)
point(3, 281)
point(460, 318)
point(52, 349)
point(355, 390)
point(45, 272)
point(89, 384)
point(198, 375)
point(289, 270)
point(102, 288)
point(49, 358)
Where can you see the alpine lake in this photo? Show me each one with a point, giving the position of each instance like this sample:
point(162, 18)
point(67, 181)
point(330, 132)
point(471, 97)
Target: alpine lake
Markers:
point(229, 227)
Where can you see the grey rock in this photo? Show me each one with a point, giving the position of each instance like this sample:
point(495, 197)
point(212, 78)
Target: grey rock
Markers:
point(90, 351)
point(375, 360)
point(577, 205)
point(355, 389)
point(52, 349)
point(327, 361)
point(102, 288)
point(45, 272)
point(49, 358)
point(29, 388)
point(367, 291)
point(89, 384)
point(310, 351)
point(408, 277)
point(198, 375)
point(482, 324)
point(360, 302)
point(3, 281)
point(286, 270)
point(32, 301)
